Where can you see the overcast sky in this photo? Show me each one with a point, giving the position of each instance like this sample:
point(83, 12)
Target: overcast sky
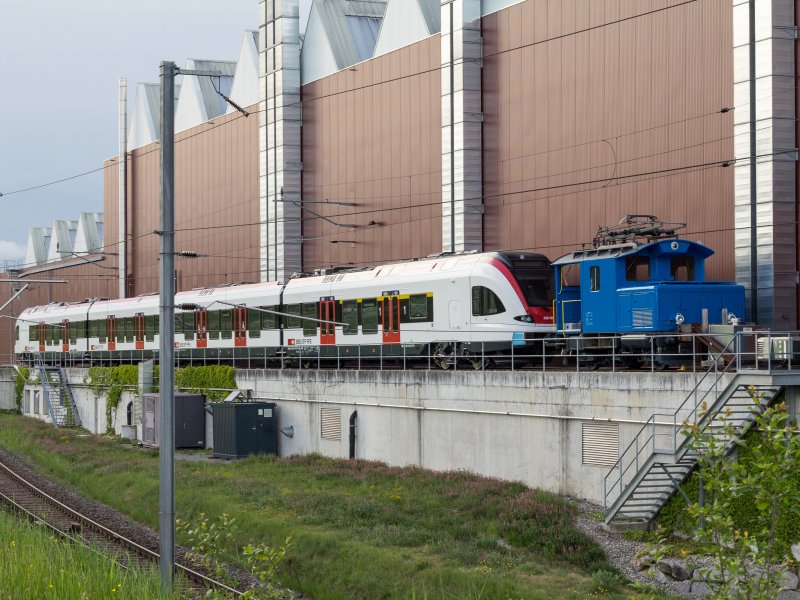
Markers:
point(61, 63)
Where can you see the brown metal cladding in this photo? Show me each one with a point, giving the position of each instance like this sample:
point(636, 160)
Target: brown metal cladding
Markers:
point(371, 136)
point(216, 205)
point(594, 110)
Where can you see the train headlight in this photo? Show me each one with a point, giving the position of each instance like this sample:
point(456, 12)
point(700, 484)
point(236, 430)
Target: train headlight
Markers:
point(524, 318)
point(679, 319)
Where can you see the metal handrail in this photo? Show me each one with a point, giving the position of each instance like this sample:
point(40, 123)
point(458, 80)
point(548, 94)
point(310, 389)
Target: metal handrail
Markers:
point(651, 422)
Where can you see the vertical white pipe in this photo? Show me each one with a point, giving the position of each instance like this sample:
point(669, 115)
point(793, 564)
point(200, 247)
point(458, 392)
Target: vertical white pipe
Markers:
point(123, 188)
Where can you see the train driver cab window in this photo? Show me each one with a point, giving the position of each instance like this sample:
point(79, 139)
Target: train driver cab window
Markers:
point(682, 268)
point(594, 278)
point(485, 302)
point(637, 268)
point(350, 317)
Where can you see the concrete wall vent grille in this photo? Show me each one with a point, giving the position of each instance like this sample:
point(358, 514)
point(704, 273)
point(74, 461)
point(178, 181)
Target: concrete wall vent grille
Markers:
point(331, 423)
point(600, 445)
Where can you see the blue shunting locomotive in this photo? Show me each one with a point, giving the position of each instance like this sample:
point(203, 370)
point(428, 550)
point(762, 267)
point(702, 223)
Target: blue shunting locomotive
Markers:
point(628, 288)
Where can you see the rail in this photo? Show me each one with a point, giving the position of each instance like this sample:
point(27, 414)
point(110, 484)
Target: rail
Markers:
point(691, 352)
point(140, 550)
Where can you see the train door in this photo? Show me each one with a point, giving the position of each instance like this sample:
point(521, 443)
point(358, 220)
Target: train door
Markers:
point(42, 330)
point(65, 336)
point(201, 327)
point(327, 326)
point(239, 327)
point(111, 327)
point(390, 319)
point(138, 330)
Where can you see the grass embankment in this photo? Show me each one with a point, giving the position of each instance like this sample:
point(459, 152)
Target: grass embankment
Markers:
point(36, 565)
point(359, 529)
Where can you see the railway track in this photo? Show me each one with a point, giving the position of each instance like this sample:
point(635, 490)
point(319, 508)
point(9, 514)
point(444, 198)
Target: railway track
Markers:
point(27, 500)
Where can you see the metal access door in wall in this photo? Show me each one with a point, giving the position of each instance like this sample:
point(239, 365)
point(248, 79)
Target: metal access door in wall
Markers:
point(201, 327)
point(111, 326)
point(390, 319)
point(239, 327)
point(327, 326)
point(138, 330)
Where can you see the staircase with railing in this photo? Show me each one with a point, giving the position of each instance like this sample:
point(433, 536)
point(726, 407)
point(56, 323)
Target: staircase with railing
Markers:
point(662, 454)
point(58, 396)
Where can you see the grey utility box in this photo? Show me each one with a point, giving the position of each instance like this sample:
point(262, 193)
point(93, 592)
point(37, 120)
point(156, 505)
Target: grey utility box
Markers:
point(190, 420)
point(244, 428)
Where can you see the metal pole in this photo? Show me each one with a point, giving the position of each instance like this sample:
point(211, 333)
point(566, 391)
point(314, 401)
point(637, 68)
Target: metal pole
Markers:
point(166, 450)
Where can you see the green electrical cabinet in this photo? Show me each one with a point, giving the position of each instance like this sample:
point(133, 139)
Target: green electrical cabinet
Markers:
point(244, 428)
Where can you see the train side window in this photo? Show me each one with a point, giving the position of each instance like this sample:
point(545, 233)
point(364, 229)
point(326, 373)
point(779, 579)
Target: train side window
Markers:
point(102, 331)
point(293, 322)
point(254, 322)
point(16, 329)
point(213, 324)
point(150, 327)
point(485, 302)
point(226, 324)
point(418, 307)
point(33, 332)
point(637, 268)
point(594, 278)
point(682, 268)
point(268, 320)
point(350, 317)
point(369, 316)
point(309, 324)
point(128, 326)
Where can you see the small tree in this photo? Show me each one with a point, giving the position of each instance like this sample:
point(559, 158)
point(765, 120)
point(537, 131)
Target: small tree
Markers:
point(749, 564)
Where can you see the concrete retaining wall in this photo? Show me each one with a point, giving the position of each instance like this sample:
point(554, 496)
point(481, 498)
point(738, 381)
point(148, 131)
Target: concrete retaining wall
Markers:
point(528, 426)
point(512, 425)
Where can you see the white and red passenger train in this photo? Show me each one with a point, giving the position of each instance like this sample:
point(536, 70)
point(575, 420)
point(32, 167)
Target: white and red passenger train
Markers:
point(445, 306)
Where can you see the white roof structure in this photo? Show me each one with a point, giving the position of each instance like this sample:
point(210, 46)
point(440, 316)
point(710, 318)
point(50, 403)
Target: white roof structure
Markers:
point(38, 244)
point(245, 87)
point(89, 237)
point(62, 240)
point(146, 118)
point(406, 22)
point(199, 101)
point(340, 33)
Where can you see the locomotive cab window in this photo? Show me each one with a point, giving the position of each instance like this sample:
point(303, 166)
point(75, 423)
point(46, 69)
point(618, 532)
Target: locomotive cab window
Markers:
point(418, 307)
point(682, 268)
point(594, 278)
point(637, 268)
point(485, 302)
point(350, 317)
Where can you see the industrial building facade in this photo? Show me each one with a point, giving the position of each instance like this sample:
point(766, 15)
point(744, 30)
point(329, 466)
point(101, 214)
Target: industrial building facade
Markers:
point(392, 130)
